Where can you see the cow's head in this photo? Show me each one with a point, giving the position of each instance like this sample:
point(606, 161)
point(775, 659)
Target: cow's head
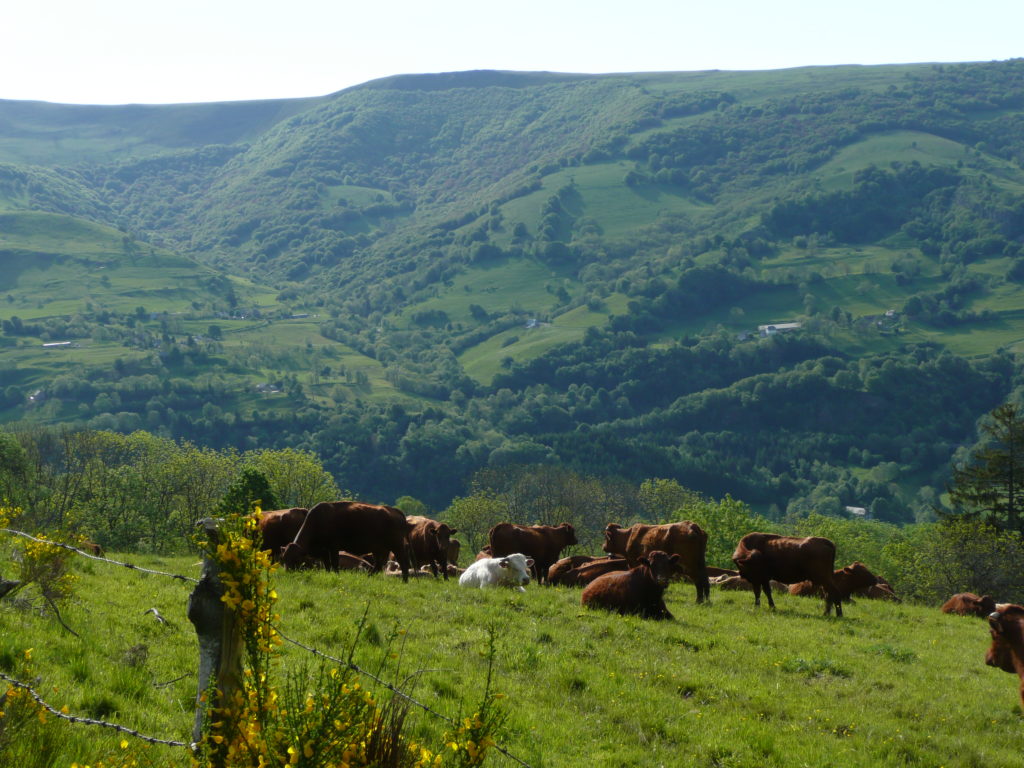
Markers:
point(515, 569)
point(568, 534)
point(858, 576)
point(294, 556)
point(612, 535)
point(662, 566)
point(1005, 626)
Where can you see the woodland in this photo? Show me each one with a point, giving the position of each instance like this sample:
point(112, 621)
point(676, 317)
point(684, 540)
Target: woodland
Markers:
point(426, 278)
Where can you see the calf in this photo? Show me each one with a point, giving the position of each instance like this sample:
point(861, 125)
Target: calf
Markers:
point(639, 590)
point(969, 604)
point(1006, 625)
point(509, 571)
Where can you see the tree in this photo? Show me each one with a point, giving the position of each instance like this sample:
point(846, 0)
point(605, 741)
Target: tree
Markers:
point(989, 483)
point(249, 487)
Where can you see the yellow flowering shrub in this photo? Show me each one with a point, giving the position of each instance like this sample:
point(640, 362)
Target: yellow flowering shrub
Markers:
point(324, 719)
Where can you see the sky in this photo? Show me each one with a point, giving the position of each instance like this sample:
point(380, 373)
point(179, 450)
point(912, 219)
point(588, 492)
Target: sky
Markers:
point(161, 52)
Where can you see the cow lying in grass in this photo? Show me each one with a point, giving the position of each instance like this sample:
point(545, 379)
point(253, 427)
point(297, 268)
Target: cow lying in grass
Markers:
point(639, 590)
point(508, 571)
point(969, 604)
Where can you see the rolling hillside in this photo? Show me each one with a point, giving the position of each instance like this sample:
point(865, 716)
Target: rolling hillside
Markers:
point(427, 275)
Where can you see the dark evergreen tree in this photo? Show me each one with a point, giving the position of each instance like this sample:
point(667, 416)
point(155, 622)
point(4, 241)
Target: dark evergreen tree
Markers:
point(990, 484)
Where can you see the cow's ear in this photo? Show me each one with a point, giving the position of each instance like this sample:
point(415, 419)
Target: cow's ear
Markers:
point(529, 562)
point(503, 563)
point(453, 531)
point(674, 558)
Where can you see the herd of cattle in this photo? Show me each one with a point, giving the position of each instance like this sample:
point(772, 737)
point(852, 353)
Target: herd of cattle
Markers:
point(631, 577)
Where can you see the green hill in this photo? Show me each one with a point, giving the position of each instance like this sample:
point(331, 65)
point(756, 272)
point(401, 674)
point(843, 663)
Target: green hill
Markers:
point(440, 272)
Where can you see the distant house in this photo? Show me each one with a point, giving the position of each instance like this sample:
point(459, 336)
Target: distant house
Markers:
point(857, 511)
point(532, 322)
point(299, 315)
point(773, 328)
point(59, 345)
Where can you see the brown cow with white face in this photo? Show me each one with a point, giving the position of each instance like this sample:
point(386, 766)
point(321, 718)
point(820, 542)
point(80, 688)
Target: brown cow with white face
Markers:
point(541, 543)
point(686, 539)
point(969, 604)
point(761, 557)
point(640, 590)
point(1006, 625)
point(429, 541)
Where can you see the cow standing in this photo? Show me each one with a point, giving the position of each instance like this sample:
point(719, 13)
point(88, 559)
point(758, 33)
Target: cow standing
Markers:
point(1006, 625)
point(761, 557)
point(542, 543)
point(429, 543)
point(640, 590)
point(278, 527)
point(333, 526)
point(686, 539)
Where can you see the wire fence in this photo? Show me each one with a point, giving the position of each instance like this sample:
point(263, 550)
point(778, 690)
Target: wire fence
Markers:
point(170, 742)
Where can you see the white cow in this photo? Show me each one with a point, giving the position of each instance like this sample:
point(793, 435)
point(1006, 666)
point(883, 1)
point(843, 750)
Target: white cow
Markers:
point(509, 571)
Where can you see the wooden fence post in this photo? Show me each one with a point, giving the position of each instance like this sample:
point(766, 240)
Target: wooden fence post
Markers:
point(220, 643)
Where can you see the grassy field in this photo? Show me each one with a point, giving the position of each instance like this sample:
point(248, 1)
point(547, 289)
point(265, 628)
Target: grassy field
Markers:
point(722, 685)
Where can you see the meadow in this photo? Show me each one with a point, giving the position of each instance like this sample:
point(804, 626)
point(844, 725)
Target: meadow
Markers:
point(725, 684)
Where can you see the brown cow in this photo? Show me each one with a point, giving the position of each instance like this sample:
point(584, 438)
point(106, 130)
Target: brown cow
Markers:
point(762, 557)
point(738, 583)
point(640, 590)
point(969, 604)
point(853, 579)
point(484, 553)
point(279, 527)
point(349, 562)
point(428, 542)
point(559, 571)
point(686, 539)
point(1006, 625)
point(541, 543)
point(580, 570)
point(332, 526)
point(454, 548)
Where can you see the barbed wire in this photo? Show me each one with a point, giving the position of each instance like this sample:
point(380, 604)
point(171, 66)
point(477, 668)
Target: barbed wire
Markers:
point(398, 692)
point(86, 720)
point(130, 566)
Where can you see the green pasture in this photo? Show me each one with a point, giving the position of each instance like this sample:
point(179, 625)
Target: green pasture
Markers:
point(523, 284)
point(617, 208)
point(483, 361)
point(725, 684)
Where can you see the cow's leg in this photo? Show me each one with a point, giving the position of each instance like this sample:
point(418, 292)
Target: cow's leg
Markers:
point(403, 562)
point(768, 593)
point(700, 579)
point(757, 593)
point(444, 563)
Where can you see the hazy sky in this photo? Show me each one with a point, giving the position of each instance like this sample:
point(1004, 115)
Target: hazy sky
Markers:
point(154, 51)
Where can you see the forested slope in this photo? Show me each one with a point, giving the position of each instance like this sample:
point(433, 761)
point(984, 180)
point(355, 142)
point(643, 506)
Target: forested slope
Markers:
point(428, 275)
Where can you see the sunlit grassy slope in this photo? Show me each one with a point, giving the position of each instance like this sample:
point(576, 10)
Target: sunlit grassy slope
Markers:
point(723, 684)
